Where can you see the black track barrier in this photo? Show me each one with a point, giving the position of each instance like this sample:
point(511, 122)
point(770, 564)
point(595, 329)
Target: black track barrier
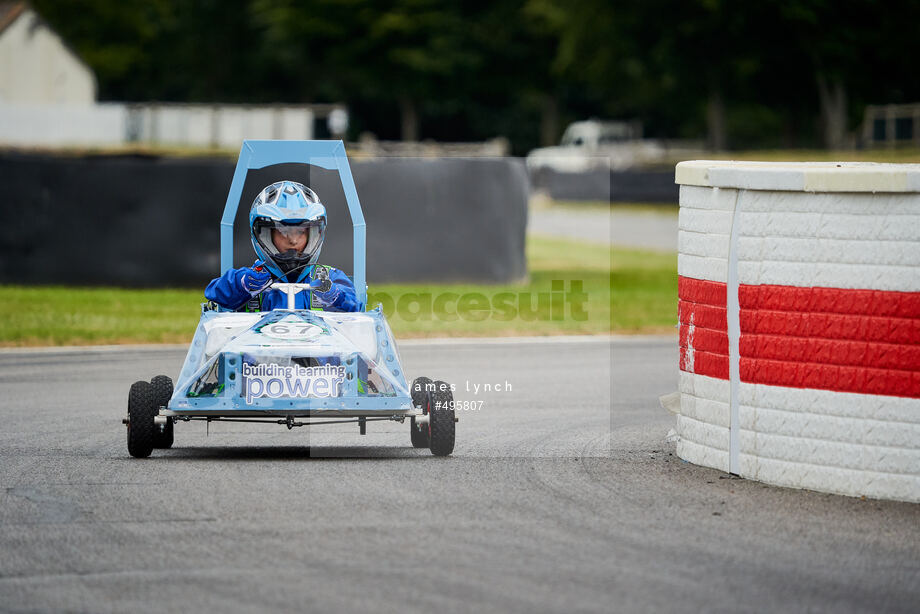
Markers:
point(626, 186)
point(148, 221)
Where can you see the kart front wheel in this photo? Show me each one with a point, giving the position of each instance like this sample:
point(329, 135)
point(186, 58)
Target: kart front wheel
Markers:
point(421, 386)
point(142, 407)
point(441, 426)
point(419, 392)
point(163, 389)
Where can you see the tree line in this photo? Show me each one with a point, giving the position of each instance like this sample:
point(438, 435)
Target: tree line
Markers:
point(739, 74)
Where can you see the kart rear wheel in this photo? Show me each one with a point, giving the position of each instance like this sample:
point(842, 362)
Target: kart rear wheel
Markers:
point(441, 426)
point(418, 434)
point(419, 392)
point(163, 389)
point(142, 407)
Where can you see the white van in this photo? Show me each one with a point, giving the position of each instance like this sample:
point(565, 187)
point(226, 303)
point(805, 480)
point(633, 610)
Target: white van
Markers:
point(595, 144)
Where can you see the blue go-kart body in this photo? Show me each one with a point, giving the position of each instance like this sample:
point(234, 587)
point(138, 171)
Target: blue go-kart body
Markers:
point(287, 364)
point(291, 362)
point(329, 363)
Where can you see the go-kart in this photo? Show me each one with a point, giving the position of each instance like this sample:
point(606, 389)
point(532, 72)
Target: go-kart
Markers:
point(293, 367)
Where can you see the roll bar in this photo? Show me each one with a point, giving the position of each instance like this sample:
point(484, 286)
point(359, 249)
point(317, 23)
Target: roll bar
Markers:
point(329, 155)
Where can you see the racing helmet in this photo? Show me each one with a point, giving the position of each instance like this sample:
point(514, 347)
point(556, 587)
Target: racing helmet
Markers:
point(287, 224)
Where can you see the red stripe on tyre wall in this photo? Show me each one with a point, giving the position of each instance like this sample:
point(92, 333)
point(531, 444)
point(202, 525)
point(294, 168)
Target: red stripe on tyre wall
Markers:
point(863, 341)
point(703, 327)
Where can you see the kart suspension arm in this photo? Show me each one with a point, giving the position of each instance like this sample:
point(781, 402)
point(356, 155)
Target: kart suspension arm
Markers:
point(290, 422)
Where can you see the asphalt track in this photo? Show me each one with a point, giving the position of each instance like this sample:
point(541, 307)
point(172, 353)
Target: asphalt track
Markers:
point(562, 495)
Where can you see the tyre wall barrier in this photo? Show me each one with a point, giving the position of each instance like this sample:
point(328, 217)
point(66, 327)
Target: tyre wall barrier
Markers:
point(149, 221)
point(799, 308)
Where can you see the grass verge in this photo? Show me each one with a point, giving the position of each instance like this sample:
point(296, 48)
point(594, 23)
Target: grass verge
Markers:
point(896, 155)
point(573, 288)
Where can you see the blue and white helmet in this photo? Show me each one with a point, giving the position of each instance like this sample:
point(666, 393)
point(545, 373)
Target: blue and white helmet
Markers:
point(287, 224)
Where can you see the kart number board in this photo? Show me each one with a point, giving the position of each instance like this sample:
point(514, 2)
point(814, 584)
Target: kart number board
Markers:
point(296, 331)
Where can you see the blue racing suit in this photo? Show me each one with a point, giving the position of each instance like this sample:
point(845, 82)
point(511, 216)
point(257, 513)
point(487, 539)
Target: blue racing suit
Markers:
point(228, 292)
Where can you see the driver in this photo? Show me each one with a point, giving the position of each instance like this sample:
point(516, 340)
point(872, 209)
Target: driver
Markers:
point(287, 224)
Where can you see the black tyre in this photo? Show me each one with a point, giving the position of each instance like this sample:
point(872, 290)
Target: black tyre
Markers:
point(418, 434)
point(142, 407)
point(419, 392)
point(441, 426)
point(162, 390)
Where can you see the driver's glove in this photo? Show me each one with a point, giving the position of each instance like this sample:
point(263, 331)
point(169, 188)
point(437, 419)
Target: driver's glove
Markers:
point(254, 281)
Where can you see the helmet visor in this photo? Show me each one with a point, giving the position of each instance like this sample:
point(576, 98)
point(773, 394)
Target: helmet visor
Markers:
point(290, 244)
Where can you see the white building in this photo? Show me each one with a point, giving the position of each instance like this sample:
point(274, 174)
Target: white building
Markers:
point(36, 66)
point(48, 99)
